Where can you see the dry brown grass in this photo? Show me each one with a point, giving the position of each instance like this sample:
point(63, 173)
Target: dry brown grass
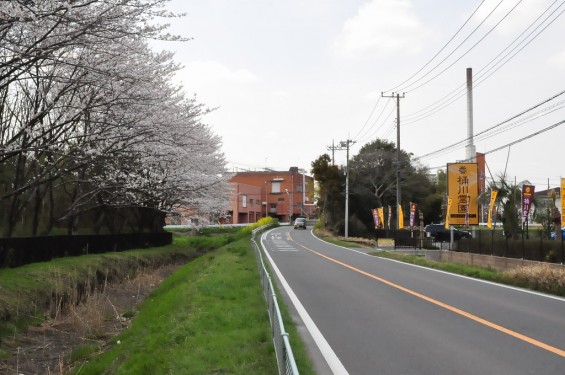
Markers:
point(364, 242)
point(539, 277)
point(78, 320)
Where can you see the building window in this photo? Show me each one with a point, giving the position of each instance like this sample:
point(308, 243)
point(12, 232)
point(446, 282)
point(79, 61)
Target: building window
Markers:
point(281, 199)
point(298, 188)
point(244, 200)
point(251, 201)
point(275, 187)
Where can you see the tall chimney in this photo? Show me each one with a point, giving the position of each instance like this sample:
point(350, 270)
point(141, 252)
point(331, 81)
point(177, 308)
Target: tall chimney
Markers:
point(470, 154)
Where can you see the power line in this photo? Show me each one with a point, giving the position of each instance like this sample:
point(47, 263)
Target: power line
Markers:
point(385, 120)
point(441, 49)
point(463, 55)
point(370, 115)
point(500, 60)
point(491, 128)
point(527, 137)
point(483, 73)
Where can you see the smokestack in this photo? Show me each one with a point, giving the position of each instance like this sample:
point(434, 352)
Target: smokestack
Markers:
point(470, 154)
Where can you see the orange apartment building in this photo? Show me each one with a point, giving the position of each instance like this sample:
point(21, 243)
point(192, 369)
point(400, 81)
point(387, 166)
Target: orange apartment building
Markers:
point(285, 195)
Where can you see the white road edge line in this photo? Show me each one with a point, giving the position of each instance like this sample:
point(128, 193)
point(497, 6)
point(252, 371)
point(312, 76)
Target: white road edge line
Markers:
point(329, 355)
point(528, 291)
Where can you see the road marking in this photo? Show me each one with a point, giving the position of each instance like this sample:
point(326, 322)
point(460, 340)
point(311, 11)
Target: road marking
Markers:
point(454, 309)
point(521, 290)
point(327, 352)
point(281, 245)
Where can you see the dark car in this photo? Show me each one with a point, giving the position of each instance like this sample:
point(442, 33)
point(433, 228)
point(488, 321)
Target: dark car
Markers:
point(439, 234)
point(300, 223)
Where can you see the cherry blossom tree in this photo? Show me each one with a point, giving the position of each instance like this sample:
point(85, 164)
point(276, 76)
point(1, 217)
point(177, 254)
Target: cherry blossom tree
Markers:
point(90, 119)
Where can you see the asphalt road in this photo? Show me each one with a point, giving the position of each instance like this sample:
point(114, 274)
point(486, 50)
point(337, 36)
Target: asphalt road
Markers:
point(361, 314)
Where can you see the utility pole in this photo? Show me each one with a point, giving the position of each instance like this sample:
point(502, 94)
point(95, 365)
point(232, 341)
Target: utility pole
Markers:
point(398, 97)
point(345, 144)
point(332, 148)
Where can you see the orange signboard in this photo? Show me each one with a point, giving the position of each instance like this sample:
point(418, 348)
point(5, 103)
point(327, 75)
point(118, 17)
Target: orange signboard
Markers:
point(463, 188)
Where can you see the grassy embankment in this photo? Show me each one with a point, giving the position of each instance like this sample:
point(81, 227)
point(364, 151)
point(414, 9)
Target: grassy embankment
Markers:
point(208, 317)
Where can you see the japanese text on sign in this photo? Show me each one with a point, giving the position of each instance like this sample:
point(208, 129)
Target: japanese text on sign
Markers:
point(462, 185)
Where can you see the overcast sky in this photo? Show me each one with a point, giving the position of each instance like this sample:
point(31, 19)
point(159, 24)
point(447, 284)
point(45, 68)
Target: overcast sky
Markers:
point(290, 77)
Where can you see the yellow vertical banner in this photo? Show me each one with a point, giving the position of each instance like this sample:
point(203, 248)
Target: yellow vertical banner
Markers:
point(381, 216)
point(449, 202)
point(400, 217)
point(463, 187)
point(562, 203)
point(493, 194)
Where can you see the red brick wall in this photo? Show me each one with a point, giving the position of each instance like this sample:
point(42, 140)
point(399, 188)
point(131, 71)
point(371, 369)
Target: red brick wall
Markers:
point(278, 203)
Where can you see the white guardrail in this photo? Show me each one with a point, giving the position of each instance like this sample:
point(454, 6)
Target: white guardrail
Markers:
point(285, 358)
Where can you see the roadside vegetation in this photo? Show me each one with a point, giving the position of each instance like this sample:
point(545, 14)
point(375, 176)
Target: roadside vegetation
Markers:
point(342, 241)
point(208, 314)
point(208, 317)
point(542, 278)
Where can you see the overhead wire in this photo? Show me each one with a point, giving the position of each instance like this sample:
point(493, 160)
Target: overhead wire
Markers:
point(526, 137)
point(359, 134)
point(368, 118)
point(449, 147)
point(464, 54)
point(384, 121)
point(441, 49)
point(439, 52)
point(496, 132)
point(458, 92)
point(389, 130)
point(481, 76)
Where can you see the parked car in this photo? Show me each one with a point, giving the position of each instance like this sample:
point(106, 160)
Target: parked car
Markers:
point(300, 223)
point(439, 234)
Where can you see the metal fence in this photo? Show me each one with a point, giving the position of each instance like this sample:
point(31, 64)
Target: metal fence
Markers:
point(285, 358)
point(18, 251)
point(534, 245)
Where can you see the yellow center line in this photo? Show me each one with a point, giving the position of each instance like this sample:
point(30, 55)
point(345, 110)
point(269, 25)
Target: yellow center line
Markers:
point(475, 318)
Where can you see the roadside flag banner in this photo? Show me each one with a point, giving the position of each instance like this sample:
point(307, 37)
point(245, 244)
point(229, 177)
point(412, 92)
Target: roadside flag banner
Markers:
point(493, 194)
point(381, 214)
point(449, 202)
point(389, 216)
point(463, 187)
point(527, 198)
point(400, 217)
point(376, 217)
point(412, 215)
point(562, 203)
